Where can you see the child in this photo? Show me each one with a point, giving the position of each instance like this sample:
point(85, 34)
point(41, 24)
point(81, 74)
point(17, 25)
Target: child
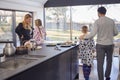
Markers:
point(39, 32)
point(86, 48)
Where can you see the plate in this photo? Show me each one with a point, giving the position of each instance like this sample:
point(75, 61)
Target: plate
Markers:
point(39, 47)
point(65, 45)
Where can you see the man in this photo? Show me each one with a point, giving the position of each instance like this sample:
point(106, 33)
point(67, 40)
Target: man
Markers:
point(105, 29)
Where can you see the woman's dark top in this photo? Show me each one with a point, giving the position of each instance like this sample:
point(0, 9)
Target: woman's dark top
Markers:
point(26, 33)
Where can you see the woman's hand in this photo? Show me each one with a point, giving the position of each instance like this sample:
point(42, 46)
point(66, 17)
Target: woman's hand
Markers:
point(28, 44)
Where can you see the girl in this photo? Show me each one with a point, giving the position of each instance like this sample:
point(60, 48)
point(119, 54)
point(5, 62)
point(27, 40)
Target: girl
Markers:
point(86, 48)
point(39, 32)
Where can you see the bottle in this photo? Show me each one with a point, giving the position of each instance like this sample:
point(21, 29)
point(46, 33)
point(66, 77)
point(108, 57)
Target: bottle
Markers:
point(75, 40)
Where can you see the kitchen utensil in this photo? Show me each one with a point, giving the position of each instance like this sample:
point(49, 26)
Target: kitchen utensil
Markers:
point(21, 50)
point(9, 49)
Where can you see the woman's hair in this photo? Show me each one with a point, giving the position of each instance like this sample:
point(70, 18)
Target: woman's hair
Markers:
point(25, 24)
point(38, 22)
point(84, 29)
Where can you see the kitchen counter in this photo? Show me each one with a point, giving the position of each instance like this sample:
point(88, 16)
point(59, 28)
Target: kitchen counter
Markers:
point(56, 65)
point(117, 45)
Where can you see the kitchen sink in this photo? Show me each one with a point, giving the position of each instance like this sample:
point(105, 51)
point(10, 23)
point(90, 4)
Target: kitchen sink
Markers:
point(15, 63)
point(19, 61)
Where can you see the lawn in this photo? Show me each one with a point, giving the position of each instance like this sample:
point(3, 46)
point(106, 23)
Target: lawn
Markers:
point(59, 35)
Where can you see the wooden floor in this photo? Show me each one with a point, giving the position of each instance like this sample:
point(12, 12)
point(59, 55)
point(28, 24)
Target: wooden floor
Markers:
point(93, 76)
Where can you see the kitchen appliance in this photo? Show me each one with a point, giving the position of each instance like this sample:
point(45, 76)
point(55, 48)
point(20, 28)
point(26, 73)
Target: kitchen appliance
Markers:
point(9, 49)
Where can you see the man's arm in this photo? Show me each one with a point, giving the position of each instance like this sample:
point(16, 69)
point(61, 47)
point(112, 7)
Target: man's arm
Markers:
point(93, 32)
point(115, 30)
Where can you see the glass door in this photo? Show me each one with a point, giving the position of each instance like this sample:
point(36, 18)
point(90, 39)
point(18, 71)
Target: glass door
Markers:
point(5, 27)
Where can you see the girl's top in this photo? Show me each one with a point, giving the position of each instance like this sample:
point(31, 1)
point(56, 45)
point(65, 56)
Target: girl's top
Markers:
point(39, 35)
point(86, 49)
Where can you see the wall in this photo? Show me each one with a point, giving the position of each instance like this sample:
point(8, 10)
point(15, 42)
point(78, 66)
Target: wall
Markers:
point(25, 5)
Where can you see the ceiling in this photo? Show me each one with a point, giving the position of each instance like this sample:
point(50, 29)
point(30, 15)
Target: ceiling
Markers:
point(39, 1)
point(26, 2)
point(57, 3)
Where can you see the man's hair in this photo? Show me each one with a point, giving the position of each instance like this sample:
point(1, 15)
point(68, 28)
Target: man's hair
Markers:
point(102, 10)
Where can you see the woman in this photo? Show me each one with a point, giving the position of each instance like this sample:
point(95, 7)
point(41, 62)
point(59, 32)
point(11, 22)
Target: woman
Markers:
point(39, 32)
point(24, 29)
point(86, 49)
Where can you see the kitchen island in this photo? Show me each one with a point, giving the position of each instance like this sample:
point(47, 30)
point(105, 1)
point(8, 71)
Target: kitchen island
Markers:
point(119, 66)
point(54, 65)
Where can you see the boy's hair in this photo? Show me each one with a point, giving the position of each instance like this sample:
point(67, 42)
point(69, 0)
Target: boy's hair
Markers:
point(85, 29)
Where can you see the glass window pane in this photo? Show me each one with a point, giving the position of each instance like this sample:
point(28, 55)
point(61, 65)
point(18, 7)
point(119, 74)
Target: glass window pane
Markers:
point(6, 25)
point(86, 15)
point(58, 23)
point(83, 15)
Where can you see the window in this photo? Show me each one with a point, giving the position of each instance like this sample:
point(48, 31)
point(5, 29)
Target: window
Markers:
point(86, 15)
point(8, 19)
point(64, 23)
point(82, 15)
point(5, 25)
point(58, 23)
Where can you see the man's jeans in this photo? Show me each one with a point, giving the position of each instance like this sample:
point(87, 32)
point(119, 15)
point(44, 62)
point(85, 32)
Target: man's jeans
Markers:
point(102, 51)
